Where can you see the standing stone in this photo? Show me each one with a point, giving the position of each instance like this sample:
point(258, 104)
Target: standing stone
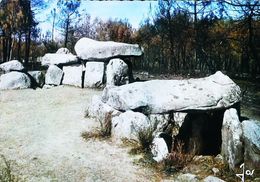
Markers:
point(251, 137)
point(98, 110)
point(73, 75)
point(161, 120)
point(212, 179)
point(11, 65)
point(94, 74)
point(38, 77)
point(128, 124)
point(14, 80)
point(159, 149)
point(232, 146)
point(188, 177)
point(53, 76)
point(116, 72)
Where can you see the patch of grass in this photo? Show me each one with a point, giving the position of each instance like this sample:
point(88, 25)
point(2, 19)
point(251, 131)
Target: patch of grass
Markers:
point(145, 136)
point(177, 159)
point(103, 132)
point(6, 174)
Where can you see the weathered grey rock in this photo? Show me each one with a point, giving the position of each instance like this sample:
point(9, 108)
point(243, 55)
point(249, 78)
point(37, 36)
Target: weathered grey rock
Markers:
point(73, 75)
point(47, 86)
point(212, 179)
point(89, 49)
point(232, 146)
point(98, 110)
point(38, 77)
point(63, 50)
point(159, 149)
point(14, 80)
point(187, 178)
point(161, 120)
point(215, 171)
point(179, 118)
point(53, 76)
point(128, 124)
point(160, 96)
point(116, 71)
point(251, 138)
point(58, 58)
point(11, 65)
point(94, 73)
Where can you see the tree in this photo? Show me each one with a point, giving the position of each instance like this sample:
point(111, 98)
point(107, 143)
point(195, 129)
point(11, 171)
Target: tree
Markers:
point(249, 11)
point(68, 10)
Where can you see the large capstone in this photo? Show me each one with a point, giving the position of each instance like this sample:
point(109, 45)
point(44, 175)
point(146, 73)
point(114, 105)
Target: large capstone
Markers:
point(58, 59)
point(14, 80)
point(89, 49)
point(54, 75)
point(117, 72)
point(73, 75)
point(217, 91)
point(11, 65)
point(232, 146)
point(94, 73)
point(251, 138)
point(63, 50)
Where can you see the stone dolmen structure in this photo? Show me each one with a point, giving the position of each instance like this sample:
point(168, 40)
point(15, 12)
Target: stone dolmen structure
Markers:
point(97, 63)
point(203, 114)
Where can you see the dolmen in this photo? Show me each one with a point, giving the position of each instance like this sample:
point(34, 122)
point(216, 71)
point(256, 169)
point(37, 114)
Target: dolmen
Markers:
point(202, 114)
point(96, 64)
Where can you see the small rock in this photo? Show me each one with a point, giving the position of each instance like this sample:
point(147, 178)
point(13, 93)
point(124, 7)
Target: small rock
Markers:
point(219, 160)
point(187, 178)
point(47, 86)
point(215, 171)
point(212, 179)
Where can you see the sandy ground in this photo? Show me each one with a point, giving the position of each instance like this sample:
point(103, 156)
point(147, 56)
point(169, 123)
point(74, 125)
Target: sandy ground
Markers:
point(40, 133)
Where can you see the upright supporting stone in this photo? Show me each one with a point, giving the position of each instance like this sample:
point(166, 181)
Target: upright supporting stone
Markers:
point(130, 70)
point(232, 146)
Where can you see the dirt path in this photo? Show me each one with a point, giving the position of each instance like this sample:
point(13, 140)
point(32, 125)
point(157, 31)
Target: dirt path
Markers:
point(40, 132)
